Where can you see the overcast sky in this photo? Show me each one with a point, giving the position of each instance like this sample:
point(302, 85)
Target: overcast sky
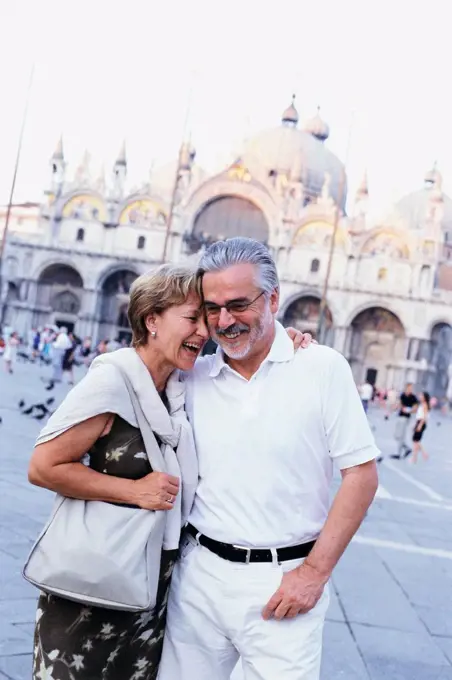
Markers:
point(107, 70)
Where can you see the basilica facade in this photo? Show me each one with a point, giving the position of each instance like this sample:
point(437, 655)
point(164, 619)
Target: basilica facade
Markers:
point(71, 259)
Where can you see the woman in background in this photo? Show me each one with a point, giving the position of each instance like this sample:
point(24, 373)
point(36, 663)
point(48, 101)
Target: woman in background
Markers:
point(10, 352)
point(422, 414)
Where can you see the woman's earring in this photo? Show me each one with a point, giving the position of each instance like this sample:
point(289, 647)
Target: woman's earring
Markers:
point(153, 334)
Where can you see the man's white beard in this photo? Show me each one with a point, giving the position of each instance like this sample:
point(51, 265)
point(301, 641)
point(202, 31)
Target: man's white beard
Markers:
point(256, 334)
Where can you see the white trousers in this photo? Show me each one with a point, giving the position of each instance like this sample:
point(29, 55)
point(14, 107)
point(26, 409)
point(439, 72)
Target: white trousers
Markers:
point(215, 617)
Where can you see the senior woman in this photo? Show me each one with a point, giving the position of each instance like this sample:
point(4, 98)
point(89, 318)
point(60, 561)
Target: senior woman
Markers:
point(74, 641)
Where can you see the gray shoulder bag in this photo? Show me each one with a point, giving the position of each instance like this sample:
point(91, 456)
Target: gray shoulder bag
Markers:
point(100, 554)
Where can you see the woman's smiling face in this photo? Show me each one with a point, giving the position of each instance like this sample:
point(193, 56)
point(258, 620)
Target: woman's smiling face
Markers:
point(180, 333)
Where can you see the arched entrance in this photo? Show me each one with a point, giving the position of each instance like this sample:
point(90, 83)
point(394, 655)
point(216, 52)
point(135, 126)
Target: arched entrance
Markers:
point(440, 360)
point(60, 292)
point(303, 313)
point(225, 217)
point(377, 345)
point(62, 275)
point(114, 300)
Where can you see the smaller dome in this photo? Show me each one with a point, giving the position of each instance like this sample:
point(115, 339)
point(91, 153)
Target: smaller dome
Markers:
point(431, 175)
point(290, 115)
point(416, 207)
point(317, 127)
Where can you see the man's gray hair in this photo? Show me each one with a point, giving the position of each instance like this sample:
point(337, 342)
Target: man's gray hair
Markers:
point(239, 250)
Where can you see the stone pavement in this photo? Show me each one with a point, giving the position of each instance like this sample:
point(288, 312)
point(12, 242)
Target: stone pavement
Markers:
point(390, 615)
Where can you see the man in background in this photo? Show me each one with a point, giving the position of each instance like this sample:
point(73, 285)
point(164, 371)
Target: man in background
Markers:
point(366, 392)
point(407, 405)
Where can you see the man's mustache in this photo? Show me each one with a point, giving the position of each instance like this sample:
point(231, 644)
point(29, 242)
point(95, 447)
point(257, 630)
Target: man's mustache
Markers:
point(235, 328)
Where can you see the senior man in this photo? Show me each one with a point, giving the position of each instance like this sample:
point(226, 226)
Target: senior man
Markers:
point(261, 543)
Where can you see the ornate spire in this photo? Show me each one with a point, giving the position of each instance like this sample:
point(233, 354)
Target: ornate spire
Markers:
point(363, 188)
point(83, 172)
point(187, 156)
point(290, 115)
point(100, 184)
point(58, 154)
point(122, 157)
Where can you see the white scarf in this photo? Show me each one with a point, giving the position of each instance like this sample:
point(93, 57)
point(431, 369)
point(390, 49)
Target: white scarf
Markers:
point(103, 390)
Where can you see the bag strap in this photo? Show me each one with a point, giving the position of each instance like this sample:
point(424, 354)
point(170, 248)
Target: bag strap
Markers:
point(153, 450)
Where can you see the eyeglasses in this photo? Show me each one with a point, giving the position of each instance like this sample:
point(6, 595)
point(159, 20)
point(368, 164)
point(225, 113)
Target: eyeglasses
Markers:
point(234, 307)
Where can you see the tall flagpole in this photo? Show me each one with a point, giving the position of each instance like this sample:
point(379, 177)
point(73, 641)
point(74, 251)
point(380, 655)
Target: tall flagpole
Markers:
point(13, 184)
point(321, 324)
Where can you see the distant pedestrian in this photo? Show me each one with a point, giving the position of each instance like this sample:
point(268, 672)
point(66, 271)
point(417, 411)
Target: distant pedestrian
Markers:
point(422, 413)
point(113, 345)
point(86, 351)
point(10, 353)
point(101, 347)
point(391, 402)
point(366, 391)
point(69, 357)
point(407, 405)
point(45, 345)
point(36, 343)
point(31, 341)
point(59, 349)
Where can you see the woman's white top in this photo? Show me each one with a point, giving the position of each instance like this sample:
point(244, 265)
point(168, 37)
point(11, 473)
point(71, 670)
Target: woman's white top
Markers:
point(421, 413)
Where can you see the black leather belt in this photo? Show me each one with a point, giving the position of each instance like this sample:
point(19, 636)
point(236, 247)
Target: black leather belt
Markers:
point(235, 553)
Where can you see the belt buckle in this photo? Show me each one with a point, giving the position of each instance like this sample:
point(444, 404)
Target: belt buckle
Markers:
point(248, 552)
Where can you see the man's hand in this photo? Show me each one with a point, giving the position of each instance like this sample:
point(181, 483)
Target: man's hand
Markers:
point(299, 592)
point(298, 338)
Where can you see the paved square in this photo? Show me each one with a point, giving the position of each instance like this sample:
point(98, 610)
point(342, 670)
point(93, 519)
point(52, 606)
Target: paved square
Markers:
point(390, 615)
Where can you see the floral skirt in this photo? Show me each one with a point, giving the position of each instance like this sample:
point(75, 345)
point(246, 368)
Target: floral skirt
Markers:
point(75, 642)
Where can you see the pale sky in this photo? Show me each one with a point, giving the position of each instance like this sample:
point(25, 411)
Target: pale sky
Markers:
point(107, 71)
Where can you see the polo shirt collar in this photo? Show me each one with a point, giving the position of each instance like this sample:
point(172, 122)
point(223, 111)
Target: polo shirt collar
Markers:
point(281, 350)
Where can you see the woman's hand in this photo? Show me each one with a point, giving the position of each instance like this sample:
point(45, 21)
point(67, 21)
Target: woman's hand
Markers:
point(156, 491)
point(299, 339)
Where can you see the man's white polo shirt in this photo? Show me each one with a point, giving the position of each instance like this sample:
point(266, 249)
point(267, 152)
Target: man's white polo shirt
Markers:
point(266, 446)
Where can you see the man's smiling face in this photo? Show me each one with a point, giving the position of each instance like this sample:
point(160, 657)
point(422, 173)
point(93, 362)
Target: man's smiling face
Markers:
point(239, 313)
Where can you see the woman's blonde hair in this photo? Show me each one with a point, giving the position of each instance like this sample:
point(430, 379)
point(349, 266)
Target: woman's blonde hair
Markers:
point(156, 291)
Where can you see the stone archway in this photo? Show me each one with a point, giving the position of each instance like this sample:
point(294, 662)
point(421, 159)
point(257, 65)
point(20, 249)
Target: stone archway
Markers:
point(114, 300)
point(440, 359)
point(303, 313)
point(59, 285)
point(61, 274)
point(377, 346)
point(227, 216)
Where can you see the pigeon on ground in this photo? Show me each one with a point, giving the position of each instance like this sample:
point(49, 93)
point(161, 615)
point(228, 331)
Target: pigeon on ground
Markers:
point(42, 408)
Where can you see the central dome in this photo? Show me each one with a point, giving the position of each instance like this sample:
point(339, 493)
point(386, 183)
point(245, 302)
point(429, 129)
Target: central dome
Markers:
point(279, 150)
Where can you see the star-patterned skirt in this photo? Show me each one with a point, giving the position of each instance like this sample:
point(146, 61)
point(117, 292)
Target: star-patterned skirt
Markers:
point(75, 642)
